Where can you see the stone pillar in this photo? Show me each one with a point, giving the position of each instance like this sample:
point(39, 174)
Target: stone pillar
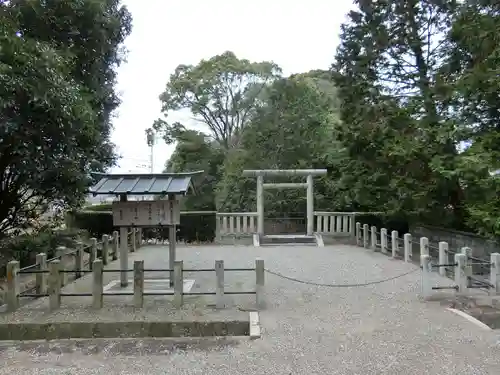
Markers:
point(425, 260)
point(139, 283)
point(123, 256)
point(443, 257)
point(495, 272)
point(78, 260)
point(93, 252)
point(41, 278)
point(259, 283)
point(310, 205)
point(467, 251)
point(395, 243)
point(219, 284)
point(61, 252)
point(358, 234)
point(13, 286)
point(366, 235)
point(54, 285)
point(383, 240)
point(178, 284)
point(424, 247)
point(460, 275)
point(105, 249)
point(374, 238)
point(260, 205)
point(408, 247)
point(97, 284)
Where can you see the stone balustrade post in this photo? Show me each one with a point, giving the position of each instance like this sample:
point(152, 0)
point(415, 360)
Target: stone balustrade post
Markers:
point(93, 252)
point(139, 283)
point(425, 260)
point(97, 283)
point(13, 286)
point(495, 272)
point(424, 247)
point(408, 248)
point(366, 235)
point(395, 243)
point(219, 284)
point(383, 240)
point(259, 283)
point(41, 278)
point(105, 249)
point(54, 284)
point(178, 284)
point(443, 257)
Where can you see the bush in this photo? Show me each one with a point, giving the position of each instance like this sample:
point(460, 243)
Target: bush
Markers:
point(107, 207)
point(24, 248)
point(96, 223)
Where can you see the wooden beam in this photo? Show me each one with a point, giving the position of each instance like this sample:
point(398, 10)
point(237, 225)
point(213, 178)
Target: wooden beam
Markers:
point(283, 172)
point(285, 185)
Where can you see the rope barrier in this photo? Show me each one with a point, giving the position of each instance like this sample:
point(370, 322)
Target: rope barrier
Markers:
point(340, 285)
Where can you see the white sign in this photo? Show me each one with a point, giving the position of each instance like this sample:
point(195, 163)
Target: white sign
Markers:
point(146, 213)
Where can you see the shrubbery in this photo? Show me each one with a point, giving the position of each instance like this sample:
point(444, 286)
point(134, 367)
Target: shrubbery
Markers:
point(98, 220)
point(25, 247)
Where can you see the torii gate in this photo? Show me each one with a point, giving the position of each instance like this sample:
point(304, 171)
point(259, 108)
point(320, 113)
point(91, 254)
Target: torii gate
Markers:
point(308, 185)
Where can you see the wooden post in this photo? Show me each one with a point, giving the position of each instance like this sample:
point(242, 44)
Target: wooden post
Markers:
point(13, 286)
point(383, 240)
point(408, 247)
point(105, 249)
point(97, 284)
point(41, 278)
point(259, 283)
point(178, 284)
point(443, 257)
point(424, 247)
point(395, 243)
point(133, 241)
point(54, 285)
point(116, 244)
point(219, 284)
point(78, 260)
point(93, 252)
point(138, 283)
point(123, 256)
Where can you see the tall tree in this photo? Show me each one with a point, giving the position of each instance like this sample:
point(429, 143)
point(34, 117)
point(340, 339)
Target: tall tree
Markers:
point(54, 116)
point(398, 127)
point(221, 93)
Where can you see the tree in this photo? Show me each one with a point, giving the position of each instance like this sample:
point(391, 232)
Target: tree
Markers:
point(399, 130)
point(292, 130)
point(55, 117)
point(222, 93)
point(194, 153)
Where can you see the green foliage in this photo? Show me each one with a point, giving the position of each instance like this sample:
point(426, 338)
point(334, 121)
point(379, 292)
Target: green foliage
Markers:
point(24, 248)
point(193, 228)
point(221, 93)
point(105, 207)
point(56, 98)
point(193, 153)
point(96, 223)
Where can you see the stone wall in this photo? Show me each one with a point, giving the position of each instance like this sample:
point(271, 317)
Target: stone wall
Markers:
point(481, 247)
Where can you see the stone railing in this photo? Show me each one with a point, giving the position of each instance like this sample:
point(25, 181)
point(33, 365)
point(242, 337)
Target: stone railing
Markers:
point(335, 223)
point(236, 223)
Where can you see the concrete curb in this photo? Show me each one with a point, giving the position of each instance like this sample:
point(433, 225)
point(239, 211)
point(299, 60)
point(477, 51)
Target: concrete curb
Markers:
point(254, 325)
point(132, 329)
point(470, 318)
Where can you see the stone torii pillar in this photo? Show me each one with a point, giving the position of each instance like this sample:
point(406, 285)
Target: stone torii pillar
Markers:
point(309, 185)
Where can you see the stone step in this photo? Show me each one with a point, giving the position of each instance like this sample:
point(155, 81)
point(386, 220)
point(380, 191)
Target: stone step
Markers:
point(299, 240)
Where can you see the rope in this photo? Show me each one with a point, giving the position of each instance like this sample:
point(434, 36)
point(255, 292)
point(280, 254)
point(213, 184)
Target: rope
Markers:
point(340, 285)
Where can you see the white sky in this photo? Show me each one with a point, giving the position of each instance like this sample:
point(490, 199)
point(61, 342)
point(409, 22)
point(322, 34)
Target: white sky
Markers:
point(298, 35)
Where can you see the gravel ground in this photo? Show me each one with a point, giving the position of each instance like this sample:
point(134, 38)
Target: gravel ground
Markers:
point(378, 329)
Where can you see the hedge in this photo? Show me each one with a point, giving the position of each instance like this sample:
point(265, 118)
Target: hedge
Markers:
point(25, 247)
point(192, 228)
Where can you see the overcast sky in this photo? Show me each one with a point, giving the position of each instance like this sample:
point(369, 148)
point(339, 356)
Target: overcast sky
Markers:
point(298, 35)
